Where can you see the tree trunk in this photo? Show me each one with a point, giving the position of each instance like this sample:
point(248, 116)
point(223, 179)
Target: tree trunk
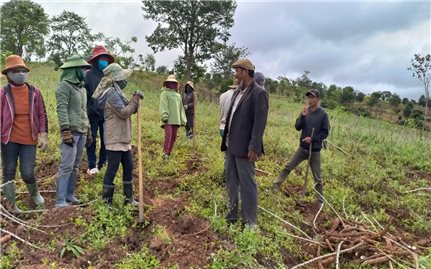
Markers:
point(189, 64)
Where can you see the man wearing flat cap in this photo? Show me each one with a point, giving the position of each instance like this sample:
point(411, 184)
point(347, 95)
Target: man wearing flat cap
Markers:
point(242, 141)
point(314, 124)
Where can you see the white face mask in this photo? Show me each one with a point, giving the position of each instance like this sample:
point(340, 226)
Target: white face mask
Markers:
point(18, 77)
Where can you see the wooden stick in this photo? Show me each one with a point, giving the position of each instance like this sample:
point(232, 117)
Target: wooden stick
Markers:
point(309, 163)
point(327, 255)
point(5, 238)
point(36, 225)
point(21, 223)
point(344, 207)
point(195, 103)
point(19, 238)
point(286, 222)
point(262, 172)
point(420, 189)
point(329, 204)
point(337, 259)
point(141, 180)
point(4, 184)
point(340, 149)
point(317, 215)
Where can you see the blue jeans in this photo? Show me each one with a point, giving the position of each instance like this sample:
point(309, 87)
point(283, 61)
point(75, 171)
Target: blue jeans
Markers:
point(97, 124)
point(10, 153)
point(69, 165)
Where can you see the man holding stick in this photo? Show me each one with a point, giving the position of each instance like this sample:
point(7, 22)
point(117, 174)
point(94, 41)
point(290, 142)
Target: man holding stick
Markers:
point(314, 123)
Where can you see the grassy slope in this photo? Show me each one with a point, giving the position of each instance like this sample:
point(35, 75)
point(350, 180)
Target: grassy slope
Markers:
point(384, 161)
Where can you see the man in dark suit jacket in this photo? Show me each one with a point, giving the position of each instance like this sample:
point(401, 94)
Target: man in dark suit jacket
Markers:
point(242, 139)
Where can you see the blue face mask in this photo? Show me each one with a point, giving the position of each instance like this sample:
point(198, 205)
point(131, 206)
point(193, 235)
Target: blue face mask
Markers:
point(102, 64)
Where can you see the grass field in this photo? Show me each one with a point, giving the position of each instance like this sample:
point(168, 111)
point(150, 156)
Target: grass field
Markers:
point(186, 202)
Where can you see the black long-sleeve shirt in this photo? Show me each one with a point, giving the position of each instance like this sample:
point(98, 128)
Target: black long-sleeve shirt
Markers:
point(319, 121)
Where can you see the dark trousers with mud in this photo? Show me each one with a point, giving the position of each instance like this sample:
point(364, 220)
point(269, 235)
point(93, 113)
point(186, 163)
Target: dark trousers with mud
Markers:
point(301, 155)
point(240, 175)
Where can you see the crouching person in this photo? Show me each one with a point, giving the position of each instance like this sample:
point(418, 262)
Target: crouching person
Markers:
point(23, 118)
point(71, 99)
point(118, 126)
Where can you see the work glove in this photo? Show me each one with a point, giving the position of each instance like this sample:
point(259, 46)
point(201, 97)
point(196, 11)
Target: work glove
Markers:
point(139, 93)
point(186, 106)
point(89, 140)
point(67, 137)
point(43, 143)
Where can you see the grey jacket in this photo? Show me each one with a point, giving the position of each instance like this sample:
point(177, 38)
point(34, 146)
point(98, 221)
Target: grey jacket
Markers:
point(118, 125)
point(248, 124)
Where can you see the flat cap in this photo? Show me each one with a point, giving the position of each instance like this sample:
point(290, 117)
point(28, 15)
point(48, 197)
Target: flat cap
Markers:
point(244, 63)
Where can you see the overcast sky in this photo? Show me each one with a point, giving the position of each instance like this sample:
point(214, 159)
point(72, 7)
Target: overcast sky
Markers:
point(365, 44)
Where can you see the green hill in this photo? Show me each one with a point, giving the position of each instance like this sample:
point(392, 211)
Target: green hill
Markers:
point(185, 198)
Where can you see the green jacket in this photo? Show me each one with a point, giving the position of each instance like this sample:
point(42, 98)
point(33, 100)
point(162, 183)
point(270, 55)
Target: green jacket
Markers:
point(72, 107)
point(171, 108)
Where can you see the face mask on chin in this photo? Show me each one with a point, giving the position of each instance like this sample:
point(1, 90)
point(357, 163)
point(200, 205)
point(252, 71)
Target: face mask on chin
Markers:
point(17, 77)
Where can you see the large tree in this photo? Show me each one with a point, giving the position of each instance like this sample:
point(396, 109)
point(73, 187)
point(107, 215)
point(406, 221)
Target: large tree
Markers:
point(70, 34)
point(196, 27)
point(123, 50)
point(24, 25)
point(421, 68)
point(225, 57)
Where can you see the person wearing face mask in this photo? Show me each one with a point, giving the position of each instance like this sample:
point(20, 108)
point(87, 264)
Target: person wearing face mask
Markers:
point(23, 118)
point(172, 113)
point(189, 100)
point(99, 60)
point(118, 141)
point(71, 100)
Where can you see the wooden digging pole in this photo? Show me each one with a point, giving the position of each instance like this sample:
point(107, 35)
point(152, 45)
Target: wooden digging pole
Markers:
point(308, 164)
point(195, 102)
point(141, 180)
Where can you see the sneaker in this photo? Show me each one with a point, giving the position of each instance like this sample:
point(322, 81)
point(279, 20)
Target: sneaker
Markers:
point(165, 157)
point(93, 171)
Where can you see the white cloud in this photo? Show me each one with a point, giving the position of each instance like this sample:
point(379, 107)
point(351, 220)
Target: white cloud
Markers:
point(366, 44)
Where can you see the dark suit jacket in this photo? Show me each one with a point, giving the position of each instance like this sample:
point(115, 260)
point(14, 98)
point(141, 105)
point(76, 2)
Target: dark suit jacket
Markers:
point(248, 122)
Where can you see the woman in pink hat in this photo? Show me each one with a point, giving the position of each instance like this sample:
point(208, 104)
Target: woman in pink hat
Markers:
point(99, 60)
point(23, 118)
point(171, 113)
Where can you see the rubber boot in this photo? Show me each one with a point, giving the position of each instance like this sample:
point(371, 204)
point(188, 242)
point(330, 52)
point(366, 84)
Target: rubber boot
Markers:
point(10, 197)
point(276, 185)
point(319, 192)
point(128, 193)
point(70, 197)
point(35, 195)
point(108, 193)
point(62, 183)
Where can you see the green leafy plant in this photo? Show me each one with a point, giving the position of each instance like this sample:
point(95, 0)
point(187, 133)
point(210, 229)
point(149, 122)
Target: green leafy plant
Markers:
point(71, 246)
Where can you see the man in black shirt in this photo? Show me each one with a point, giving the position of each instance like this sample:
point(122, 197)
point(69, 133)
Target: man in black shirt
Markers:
point(312, 117)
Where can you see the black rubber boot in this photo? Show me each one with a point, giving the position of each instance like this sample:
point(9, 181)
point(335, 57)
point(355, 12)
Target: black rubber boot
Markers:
point(107, 194)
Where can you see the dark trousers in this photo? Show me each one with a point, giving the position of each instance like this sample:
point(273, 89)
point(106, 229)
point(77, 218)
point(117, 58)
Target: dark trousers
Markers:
point(10, 153)
point(170, 138)
point(97, 124)
point(240, 175)
point(301, 155)
point(114, 160)
point(190, 121)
